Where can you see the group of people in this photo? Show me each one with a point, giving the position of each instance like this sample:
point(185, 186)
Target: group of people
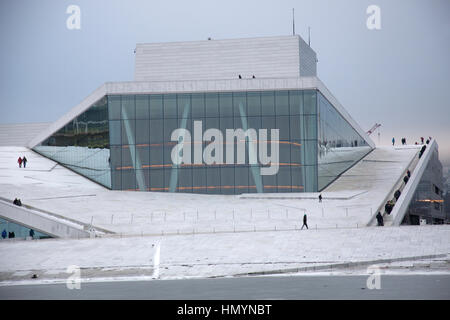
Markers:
point(13, 235)
point(10, 234)
point(22, 160)
point(422, 140)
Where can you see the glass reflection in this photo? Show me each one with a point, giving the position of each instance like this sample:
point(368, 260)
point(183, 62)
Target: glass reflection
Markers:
point(339, 145)
point(83, 144)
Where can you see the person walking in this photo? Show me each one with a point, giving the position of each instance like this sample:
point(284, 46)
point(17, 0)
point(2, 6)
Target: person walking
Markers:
point(31, 233)
point(393, 141)
point(320, 197)
point(4, 234)
point(380, 219)
point(24, 160)
point(304, 222)
point(20, 162)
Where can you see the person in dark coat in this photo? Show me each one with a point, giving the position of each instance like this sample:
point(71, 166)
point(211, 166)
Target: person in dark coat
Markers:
point(24, 160)
point(380, 219)
point(393, 141)
point(408, 173)
point(31, 233)
point(397, 194)
point(304, 222)
point(320, 197)
point(388, 207)
point(405, 179)
point(4, 234)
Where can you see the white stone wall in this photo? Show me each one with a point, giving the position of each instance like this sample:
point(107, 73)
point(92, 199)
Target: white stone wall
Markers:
point(269, 57)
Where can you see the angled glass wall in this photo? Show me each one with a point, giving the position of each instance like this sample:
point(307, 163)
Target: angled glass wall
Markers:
point(141, 128)
point(83, 144)
point(339, 144)
point(213, 143)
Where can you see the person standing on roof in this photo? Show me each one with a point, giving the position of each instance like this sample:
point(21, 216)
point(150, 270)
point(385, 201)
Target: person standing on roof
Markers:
point(20, 162)
point(24, 160)
point(393, 141)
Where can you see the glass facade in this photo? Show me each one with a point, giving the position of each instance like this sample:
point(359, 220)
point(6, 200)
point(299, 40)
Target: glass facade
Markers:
point(141, 146)
point(339, 144)
point(83, 144)
point(130, 141)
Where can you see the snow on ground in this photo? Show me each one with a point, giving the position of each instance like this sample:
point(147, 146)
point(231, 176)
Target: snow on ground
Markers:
point(349, 202)
point(229, 235)
point(225, 254)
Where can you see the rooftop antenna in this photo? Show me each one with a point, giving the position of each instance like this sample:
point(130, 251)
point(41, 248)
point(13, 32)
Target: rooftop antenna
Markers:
point(309, 36)
point(293, 22)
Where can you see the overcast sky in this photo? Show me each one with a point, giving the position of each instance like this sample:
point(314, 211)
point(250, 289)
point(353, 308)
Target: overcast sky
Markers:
point(398, 76)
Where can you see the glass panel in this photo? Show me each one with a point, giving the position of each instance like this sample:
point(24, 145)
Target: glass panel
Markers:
point(282, 123)
point(309, 100)
point(156, 107)
point(296, 102)
point(339, 145)
point(142, 131)
point(83, 144)
point(115, 132)
point(213, 180)
point(129, 180)
point(227, 180)
point(226, 104)
point(128, 107)
point(199, 180)
point(184, 106)
point(239, 104)
point(157, 180)
point(198, 106)
point(267, 103)
point(254, 104)
point(114, 107)
point(212, 104)
point(170, 106)
point(142, 107)
point(281, 103)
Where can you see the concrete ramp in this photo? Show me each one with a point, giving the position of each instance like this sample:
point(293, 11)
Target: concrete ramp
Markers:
point(402, 204)
point(55, 227)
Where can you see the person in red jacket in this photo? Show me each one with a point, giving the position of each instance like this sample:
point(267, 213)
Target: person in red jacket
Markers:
point(20, 162)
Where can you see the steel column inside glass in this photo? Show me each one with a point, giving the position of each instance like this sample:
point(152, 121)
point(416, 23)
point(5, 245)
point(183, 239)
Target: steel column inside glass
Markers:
point(124, 141)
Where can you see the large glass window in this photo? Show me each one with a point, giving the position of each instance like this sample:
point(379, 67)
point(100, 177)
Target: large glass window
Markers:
point(83, 144)
point(339, 144)
point(124, 142)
